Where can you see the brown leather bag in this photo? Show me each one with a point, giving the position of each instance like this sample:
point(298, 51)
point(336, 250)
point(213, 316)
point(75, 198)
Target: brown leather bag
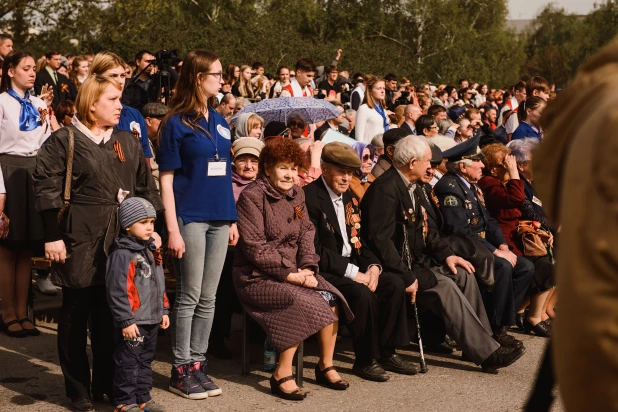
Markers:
point(534, 239)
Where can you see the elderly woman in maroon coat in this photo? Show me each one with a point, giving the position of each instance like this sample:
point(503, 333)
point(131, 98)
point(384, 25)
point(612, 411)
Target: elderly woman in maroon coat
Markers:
point(276, 269)
point(505, 200)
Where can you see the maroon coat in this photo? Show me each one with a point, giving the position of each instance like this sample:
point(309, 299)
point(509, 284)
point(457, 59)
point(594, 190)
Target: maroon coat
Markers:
point(275, 241)
point(504, 203)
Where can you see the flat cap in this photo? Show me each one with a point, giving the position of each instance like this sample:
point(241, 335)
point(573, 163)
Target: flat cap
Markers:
point(436, 154)
point(341, 154)
point(466, 150)
point(392, 136)
point(247, 145)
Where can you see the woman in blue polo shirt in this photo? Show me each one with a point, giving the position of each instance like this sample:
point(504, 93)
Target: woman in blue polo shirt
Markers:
point(196, 186)
point(529, 113)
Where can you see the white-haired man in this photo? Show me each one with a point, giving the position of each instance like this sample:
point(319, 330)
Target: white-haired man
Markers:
point(395, 227)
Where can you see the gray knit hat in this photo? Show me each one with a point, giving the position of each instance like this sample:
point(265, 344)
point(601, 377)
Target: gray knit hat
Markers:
point(133, 210)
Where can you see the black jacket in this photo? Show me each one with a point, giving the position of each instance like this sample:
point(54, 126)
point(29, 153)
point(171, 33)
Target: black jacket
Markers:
point(62, 90)
point(405, 126)
point(386, 211)
point(464, 214)
point(325, 128)
point(328, 237)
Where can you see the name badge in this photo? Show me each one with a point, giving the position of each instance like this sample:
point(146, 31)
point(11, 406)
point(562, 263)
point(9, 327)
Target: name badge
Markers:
point(537, 201)
point(217, 167)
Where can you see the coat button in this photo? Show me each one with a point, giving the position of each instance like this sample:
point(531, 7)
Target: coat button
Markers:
point(289, 220)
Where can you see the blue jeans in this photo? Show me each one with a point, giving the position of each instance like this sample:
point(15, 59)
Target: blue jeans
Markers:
point(197, 277)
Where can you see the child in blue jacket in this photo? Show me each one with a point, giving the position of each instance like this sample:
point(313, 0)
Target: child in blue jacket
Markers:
point(139, 306)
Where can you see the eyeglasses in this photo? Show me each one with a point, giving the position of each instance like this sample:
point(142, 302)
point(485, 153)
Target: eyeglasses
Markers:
point(366, 157)
point(433, 127)
point(217, 75)
point(296, 124)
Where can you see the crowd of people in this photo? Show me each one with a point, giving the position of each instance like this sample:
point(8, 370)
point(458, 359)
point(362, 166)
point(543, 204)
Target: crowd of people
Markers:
point(428, 201)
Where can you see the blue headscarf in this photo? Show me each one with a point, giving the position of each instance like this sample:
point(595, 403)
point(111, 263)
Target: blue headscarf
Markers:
point(382, 113)
point(360, 148)
point(29, 117)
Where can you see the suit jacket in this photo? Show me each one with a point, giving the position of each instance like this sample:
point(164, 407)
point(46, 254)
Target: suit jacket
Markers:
point(383, 164)
point(325, 128)
point(328, 237)
point(386, 211)
point(464, 214)
point(405, 126)
point(61, 90)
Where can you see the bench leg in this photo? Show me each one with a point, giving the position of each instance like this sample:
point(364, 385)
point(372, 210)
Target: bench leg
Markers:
point(299, 365)
point(245, 354)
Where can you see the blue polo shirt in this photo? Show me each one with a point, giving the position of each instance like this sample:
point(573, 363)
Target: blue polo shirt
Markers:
point(526, 130)
point(131, 119)
point(199, 197)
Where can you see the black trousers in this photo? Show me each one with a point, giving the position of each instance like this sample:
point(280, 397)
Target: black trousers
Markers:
point(133, 366)
point(511, 285)
point(379, 324)
point(77, 306)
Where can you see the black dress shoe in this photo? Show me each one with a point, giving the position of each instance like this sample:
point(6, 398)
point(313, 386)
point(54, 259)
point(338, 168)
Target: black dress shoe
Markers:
point(372, 372)
point(21, 333)
point(320, 377)
point(519, 321)
point(395, 363)
point(501, 358)
point(506, 340)
point(81, 404)
point(441, 348)
point(450, 342)
point(540, 329)
point(275, 388)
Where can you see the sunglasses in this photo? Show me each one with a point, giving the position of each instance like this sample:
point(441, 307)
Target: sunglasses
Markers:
point(366, 157)
point(296, 124)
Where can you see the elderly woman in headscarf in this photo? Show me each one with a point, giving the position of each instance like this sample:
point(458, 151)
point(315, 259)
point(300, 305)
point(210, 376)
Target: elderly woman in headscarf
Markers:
point(362, 176)
point(248, 125)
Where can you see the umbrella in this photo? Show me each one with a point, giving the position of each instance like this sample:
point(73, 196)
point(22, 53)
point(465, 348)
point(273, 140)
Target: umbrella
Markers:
point(313, 110)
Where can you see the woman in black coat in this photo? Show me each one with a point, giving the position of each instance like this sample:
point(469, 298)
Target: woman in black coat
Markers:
point(81, 221)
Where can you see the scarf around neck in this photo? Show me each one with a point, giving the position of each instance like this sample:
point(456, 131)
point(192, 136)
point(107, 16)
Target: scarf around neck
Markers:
point(382, 113)
point(29, 116)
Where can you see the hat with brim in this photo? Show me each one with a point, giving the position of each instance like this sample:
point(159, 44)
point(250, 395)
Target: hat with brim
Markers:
point(436, 155)
point(466, 150)
point(247, 145)
point(341, 154)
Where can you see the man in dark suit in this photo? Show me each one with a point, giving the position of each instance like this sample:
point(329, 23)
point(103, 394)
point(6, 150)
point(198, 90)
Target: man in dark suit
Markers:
point(463, 209)
point(49, 76)
point(377, 298)
point(332, 124)
point(390, 138)
point(395, 227)
point(411, 115)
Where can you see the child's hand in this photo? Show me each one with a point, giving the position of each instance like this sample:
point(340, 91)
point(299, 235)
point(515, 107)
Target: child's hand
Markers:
point(130, 332)
point(165, 322)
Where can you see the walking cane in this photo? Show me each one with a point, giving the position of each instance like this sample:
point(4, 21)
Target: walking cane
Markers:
point(408, 260)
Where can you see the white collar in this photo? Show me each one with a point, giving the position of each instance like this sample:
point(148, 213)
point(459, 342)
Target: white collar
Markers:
point(298, 91)
point(334, 197)
point(105, 136)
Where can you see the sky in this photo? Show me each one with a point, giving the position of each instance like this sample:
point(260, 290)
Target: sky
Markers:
point(528, 9)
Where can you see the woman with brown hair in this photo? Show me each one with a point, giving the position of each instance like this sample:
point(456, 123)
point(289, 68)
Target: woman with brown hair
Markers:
point(24, 126)
point(79, 71)
point(232, 73)
point(529, 113)
point(83, 171)
point(372, 115)
point(243, 87)
point(276, 269)
point(505, 200)
point(195, 163)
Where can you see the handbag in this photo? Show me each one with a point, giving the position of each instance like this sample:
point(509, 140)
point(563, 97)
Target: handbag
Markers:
point(534, 239)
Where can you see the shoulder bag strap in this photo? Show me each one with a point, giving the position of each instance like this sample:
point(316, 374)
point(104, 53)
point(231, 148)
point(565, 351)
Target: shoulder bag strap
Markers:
point(66, 196)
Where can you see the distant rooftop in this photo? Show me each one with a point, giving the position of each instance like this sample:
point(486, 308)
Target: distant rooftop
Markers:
point(519, 25)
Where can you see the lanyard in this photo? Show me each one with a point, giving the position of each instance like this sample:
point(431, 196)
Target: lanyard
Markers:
point(215, 140)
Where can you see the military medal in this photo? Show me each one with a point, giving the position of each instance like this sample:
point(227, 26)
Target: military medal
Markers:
point(468, 204)
point(474, 221)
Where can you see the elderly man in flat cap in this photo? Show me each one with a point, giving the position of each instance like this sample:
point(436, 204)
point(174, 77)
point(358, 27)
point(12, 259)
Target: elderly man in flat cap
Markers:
point(396, 229)
point(376, 297)
point(464, 213)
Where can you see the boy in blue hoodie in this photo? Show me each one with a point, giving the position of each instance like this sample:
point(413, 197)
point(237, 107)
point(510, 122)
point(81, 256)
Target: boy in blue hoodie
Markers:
point(139, 306)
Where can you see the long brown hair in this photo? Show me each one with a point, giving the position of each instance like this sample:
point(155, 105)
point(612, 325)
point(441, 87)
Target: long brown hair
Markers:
point(74, 66)
point(11, 62)
point(531, 103)
point(188, 101)
point(372, 81)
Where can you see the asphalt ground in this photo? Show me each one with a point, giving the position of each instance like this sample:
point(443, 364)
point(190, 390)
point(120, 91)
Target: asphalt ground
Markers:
point(31, 379)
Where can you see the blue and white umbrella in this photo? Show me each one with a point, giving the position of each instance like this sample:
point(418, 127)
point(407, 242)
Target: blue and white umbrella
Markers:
point(313, 110)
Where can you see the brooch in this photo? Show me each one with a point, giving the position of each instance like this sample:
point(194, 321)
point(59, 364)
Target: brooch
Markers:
point(43, 117)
